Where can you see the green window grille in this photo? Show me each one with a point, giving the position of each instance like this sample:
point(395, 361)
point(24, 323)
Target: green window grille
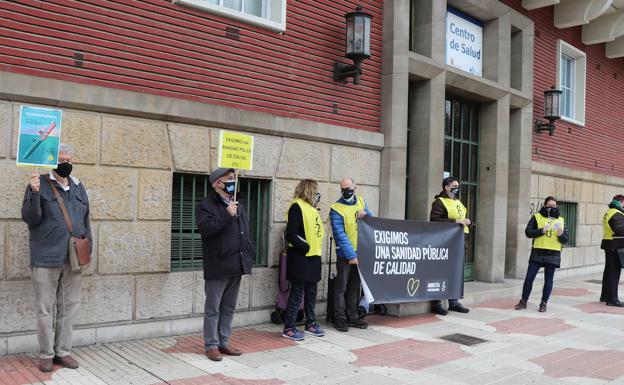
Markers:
point(188, 190)
point(569, 210)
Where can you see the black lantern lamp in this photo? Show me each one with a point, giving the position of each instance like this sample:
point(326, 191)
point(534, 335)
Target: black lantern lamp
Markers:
point(551, 111)
point(358, 45)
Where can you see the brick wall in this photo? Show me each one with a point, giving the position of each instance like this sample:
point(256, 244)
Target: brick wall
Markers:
point(593, 147)
point(157, 47)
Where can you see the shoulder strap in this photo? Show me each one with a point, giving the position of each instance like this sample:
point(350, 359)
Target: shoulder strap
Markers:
point(59, 199)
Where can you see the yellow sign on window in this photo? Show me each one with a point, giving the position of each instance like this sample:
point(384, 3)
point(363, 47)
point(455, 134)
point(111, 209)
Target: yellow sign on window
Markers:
point(235, 150)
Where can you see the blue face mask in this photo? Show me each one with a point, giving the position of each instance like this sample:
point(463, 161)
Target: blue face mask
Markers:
point(229, 186)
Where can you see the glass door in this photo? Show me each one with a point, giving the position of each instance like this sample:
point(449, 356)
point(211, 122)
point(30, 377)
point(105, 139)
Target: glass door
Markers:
point(461, 160)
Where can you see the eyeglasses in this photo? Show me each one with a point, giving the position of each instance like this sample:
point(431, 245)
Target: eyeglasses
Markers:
point(64, 160)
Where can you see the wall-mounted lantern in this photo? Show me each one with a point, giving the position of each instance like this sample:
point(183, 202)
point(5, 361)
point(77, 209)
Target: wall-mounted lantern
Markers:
point(552, 98)
point(358, 40)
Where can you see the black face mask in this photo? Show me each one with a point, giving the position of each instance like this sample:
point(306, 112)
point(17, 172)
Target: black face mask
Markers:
point(63, 169)
point(347, 194)
point(455, 191)
point(549, 212)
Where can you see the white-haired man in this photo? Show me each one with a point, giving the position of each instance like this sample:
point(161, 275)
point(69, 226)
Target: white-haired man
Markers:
point(56, 287)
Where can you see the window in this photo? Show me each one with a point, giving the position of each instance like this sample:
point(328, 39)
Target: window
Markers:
point(188, 190)
point(270, 14)
point(568, 211)
point(571, 80)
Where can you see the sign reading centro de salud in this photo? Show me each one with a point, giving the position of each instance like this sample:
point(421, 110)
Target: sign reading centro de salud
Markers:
point(464, 42)
point(235, 150)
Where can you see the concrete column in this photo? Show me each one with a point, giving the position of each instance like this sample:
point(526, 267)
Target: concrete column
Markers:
point(394, 91)
point(426, 147)
point(493, 179)
point(497, 50)
point(428, 28)
point(518, 245)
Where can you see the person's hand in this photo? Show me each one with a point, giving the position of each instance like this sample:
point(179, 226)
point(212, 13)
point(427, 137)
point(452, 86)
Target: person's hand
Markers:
point(467, 222)
point(546, 228)
point(232, 208)
point(35, 182)
point(460, 221)
point(353, 261)
point(361, 214)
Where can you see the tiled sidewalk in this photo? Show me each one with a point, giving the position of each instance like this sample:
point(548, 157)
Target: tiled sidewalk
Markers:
point(578, 341)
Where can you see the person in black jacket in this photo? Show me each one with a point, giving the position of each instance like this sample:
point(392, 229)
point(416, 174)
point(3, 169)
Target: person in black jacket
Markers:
point(548, 231)
point(228, 252)
point(304, 234)
point(447, 207)
point(613, 227)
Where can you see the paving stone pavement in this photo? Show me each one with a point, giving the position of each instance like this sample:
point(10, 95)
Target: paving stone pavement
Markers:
point(578, 341)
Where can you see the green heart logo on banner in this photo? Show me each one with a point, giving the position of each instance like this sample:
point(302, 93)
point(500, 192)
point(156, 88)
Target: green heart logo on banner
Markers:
point(412, 286)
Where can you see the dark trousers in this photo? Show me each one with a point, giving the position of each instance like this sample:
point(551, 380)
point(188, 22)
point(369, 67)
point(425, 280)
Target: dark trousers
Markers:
point(221, 296)
point(347, 282)
point(549, 274)
point(438, 302)
point(297, 291)
point(610, 277)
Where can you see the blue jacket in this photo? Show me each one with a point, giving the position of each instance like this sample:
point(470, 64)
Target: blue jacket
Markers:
point(344, 248)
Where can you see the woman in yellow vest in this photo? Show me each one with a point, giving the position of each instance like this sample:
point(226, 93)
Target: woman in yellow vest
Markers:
point(304, 234)
point(613, 227)
point(548, 231)
point(448, 208)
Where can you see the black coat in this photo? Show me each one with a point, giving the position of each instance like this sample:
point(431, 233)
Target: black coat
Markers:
point(227, 245)
point(617, 225)
point(299, 268)
point(552, 257)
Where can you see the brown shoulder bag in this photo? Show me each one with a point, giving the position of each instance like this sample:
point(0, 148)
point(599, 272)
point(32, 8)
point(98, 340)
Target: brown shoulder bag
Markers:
point(78, 248)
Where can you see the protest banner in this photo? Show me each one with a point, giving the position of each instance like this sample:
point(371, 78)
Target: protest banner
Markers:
point(39, 137)
point(406, 261)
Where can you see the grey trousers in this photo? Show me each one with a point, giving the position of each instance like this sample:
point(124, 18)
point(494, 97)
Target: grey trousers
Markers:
point(347, 281)
point(221, 296)
point(57, 300)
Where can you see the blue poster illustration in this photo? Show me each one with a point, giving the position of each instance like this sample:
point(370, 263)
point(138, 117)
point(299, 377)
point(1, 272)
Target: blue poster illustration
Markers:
point(39, 137)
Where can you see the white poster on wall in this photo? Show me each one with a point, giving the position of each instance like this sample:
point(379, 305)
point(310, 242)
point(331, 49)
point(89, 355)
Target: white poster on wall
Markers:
point(464, 42)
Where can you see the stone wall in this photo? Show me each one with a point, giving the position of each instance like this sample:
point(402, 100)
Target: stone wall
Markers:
point(592, 193)
point(127, 164)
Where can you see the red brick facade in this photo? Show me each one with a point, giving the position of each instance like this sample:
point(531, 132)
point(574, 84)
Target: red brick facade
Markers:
point(157, 47)
point(594, 147)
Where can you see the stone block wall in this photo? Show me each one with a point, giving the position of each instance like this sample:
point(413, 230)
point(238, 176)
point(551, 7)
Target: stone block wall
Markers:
point(127, 165)
point(592, 193)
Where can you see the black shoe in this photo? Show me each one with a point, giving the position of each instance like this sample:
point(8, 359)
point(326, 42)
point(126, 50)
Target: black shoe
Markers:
point(358, 323)
point(438, 309)
point(616, 303)
point(459, 308)
point(341, 326)
point(603, 299)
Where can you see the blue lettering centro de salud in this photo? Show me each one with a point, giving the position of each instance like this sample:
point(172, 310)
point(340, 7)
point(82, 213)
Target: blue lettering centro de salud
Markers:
point(464, 48)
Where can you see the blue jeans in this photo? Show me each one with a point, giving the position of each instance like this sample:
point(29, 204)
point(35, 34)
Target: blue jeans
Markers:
point(297, 290)
point(549, 273)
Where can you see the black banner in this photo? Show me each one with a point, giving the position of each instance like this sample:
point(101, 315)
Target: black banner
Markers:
point(406, 261)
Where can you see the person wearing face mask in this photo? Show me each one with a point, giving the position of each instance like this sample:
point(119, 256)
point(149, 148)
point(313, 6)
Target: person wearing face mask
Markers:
point(548, 231)
point(447, 207)
point(228, 251)
point(304, 234)
point(344, 215)
point(56, 286)
point(613, 227)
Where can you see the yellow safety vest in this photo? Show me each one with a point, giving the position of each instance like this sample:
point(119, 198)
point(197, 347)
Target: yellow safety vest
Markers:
point(608, 232)
point(455, 210)
point(550, 240)
point(349, 216)
point(312, 226)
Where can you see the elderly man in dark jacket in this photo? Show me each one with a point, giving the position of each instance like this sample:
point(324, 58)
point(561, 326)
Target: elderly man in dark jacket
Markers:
point(228, 252)
point(56, 286)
